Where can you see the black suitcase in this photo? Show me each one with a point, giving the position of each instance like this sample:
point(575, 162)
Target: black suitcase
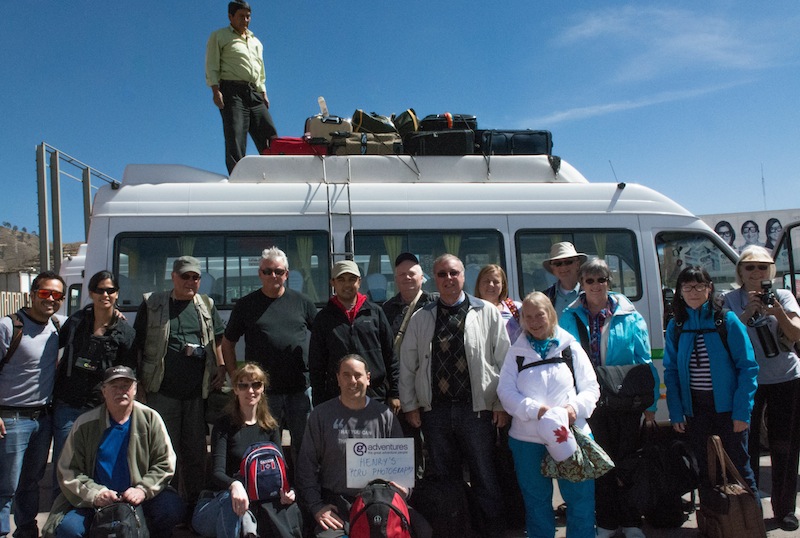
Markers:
point(527, 142)
point(443, 122)
point(452, 142)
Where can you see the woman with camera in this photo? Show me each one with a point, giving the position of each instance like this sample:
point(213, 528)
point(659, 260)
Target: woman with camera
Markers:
point(773, 325)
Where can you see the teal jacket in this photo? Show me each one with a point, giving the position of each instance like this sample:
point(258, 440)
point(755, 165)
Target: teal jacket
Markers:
point(624, 339)
point(733, 377)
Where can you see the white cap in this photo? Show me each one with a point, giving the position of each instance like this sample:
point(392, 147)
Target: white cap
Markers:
point(556, 434)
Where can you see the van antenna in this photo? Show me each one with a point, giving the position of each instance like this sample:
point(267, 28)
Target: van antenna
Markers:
point(613, 171)
point(763, 187)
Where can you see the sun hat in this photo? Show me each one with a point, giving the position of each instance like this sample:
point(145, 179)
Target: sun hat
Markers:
point(561, 251)
point(755, 254)
point(556, 434)
point(345, 266)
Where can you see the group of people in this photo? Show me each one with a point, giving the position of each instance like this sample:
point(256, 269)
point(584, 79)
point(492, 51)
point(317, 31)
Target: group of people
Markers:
point(125, 405)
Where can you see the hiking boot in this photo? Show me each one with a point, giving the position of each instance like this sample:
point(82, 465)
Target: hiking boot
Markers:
point(789, 523)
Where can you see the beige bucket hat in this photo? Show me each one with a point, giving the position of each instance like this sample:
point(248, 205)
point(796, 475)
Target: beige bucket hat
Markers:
point(562, 251)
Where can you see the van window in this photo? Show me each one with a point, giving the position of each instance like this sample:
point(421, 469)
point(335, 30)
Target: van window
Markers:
point(229, 261)
point(74, 298)
point(677, 250)
point(616, 247)
point(376, 252)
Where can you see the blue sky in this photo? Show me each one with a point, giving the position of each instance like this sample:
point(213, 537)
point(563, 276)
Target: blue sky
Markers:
point(689, 98)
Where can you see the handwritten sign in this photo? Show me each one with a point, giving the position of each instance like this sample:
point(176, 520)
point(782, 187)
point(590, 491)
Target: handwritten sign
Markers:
point(389, 459)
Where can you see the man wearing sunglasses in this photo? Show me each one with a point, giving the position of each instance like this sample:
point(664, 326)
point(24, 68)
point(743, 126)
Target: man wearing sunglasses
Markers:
point(450, 362)
point(28, 357)
point(564, 263)
point(178, 337)
point(276, 323)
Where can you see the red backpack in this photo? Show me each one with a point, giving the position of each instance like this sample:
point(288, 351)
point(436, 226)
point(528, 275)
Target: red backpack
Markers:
point(379, 511)
point(263, 471)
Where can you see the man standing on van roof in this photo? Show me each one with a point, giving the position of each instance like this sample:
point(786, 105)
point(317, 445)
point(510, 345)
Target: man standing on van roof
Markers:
point(178, 335)
point(235, 72)
point(28, 356)
point(563, 263)
point(276, 323)
point(450, 364)
point(348, 324)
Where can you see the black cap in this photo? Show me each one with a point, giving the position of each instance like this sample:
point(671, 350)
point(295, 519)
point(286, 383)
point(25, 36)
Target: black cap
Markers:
point(405, 256)
point(117, 372)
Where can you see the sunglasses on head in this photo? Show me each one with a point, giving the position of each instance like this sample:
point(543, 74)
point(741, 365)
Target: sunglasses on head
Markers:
point(190, 276)
point(106, 291)
point(599, 280)
point(445, 274)
point(753, 267)
point(46, 294)
point(255, 385)
point(269, 272)
point(559, 263)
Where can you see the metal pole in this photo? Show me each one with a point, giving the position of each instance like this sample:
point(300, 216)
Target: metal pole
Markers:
point(55, 189)
point(87, 200)
point(44, 224)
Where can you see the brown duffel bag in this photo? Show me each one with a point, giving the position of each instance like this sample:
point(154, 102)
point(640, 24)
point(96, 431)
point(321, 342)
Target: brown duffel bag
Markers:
point(727, 508)
point(366, 144)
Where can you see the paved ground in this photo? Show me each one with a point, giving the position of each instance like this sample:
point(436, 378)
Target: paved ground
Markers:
point(689, 528)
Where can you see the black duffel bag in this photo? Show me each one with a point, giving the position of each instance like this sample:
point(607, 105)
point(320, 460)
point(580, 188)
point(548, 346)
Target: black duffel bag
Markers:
point(120, 520)
point(626, 388)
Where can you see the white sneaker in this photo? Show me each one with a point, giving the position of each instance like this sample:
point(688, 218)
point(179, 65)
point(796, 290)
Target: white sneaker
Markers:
point(605, 533)
point(632, 532)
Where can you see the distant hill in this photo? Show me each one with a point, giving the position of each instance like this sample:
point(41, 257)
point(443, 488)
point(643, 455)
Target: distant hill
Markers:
point(19, 250)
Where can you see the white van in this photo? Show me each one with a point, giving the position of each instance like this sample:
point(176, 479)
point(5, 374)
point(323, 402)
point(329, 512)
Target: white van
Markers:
point(507, 210)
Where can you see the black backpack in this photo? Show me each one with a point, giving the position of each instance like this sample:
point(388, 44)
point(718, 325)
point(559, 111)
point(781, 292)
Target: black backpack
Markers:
point(119, 520)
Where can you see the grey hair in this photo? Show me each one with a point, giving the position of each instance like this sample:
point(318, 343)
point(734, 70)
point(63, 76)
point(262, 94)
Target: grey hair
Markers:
point(446, 257)
point(277, 255)
point(595, 267)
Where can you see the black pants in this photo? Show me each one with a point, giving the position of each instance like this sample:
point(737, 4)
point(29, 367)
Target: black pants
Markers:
point(244, 112)
point(618, 434)
point(782, 401)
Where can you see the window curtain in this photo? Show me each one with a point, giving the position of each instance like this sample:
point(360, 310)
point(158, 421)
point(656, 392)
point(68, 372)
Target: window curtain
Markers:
point(452, 244)
point(394, 245)
point(305, 248)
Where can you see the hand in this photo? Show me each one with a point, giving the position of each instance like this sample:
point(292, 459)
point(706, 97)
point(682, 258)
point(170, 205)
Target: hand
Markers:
point(755, 306)
point(219, 377)
point(266, 100)
point(288, 497)
point(403, 490)
point(413, 418)
point(328, 519)
point(2, 429)
point(239, 500)
point(679, 427)
point(571, 414)
point(500, 418)
point(106, 497)
point(542, 410)
point(649, 416)
point(217, 97)
point(739, 426)
point(394, 404)
point(133, 496)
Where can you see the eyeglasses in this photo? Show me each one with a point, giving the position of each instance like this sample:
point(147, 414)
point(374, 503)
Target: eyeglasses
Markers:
point(106, 291)
point(753, 267)
point(444, 274)
point(255, 385)
point(700, 288)
point(270, 272)
point(725, 232)
point(749, 229)
point(559, 263)
point(189, 276)
point(599, 280)
point(46, 294)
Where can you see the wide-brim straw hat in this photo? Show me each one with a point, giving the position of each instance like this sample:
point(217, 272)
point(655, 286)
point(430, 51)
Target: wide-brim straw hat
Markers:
point(562, 251)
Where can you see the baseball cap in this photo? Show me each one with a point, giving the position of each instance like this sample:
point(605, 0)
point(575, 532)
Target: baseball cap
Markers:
point(117, 372)
point(556, 434)
point(405, 257)
point(186, 264)
point(345, 266)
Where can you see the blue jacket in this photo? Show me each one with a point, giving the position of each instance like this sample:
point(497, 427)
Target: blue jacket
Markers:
point(625, 339)
point(733, 378)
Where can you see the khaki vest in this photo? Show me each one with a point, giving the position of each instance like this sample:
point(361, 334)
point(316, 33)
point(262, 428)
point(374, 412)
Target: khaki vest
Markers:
point(157, 338)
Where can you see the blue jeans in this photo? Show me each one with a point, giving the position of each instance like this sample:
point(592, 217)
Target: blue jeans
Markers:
point(23, 457)
point(454, 432)
point(162, 513)
point(214, 516)
point(291, 411)
point(537, 492)
point(64, 416)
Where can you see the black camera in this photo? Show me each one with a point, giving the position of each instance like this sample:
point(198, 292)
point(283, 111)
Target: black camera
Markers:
point(766, 295)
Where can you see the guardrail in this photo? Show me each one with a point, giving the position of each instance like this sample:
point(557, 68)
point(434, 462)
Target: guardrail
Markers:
point(11, 301)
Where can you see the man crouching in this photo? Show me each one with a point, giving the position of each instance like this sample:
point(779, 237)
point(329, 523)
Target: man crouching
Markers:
point(119, 451)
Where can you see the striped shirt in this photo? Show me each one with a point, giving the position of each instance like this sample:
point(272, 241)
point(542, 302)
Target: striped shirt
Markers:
point(699, 366)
